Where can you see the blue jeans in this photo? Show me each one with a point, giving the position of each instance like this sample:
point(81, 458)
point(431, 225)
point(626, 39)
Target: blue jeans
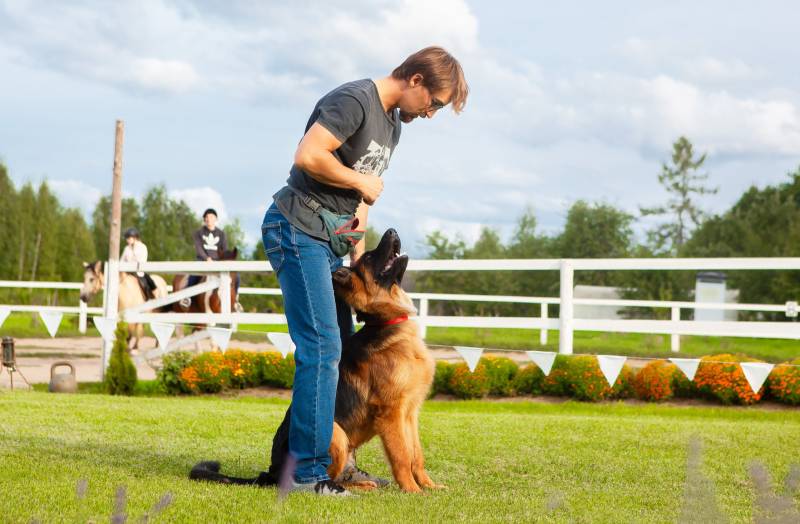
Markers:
point(318, 323)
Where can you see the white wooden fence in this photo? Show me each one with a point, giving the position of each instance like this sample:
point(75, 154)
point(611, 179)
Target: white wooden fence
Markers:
point(565, 323)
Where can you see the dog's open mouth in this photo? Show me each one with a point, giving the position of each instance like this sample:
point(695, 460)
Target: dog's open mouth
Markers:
point(394, 255)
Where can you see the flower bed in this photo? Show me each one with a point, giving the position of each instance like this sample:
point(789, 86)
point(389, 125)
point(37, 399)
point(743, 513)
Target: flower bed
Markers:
point(718, 378)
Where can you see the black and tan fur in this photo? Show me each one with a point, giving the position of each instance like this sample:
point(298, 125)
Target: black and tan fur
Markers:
point(385, 373)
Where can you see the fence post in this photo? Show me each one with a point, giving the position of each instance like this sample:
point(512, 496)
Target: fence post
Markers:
point(565, 309)
point(543, 331)
point(423, 315)
point(112, 276)
point(676, 338)
point(225, 293)
point(82, 316)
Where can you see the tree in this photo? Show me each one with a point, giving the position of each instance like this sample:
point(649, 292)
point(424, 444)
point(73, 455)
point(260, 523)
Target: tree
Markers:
point(235, 235)
point(167, 226)
point(762, 223)
point(75, 246)
point(45, 235)
point(683, 183)
point(9, 226)
point(26, 225)
point(100, 222)
point(595, 231)
point(120, 376)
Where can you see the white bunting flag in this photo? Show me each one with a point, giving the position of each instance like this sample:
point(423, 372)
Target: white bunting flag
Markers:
point(4, 312)
point(163, 332)
point(51, 319)
point(470, 355)
point(543, 359)
point(283, 342)
point(687, 365)
point(106, 327)
point(221, 337)
point(756, 373)
point(610, 366)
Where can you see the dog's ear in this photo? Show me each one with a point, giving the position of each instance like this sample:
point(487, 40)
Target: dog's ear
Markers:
point(342, 276)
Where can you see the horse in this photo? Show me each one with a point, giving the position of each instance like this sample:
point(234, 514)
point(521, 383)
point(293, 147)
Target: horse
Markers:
point(130, 293)
point(210, 301)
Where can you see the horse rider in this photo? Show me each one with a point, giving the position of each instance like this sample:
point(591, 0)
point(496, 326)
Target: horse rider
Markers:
point(136, 251)
point(209, 242)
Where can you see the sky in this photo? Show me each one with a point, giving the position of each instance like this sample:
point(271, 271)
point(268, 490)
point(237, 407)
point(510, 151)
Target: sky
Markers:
point(568, 101)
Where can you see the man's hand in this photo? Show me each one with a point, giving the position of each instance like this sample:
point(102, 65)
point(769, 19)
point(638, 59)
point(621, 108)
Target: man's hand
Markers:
point(209, 259)
point(370, 187)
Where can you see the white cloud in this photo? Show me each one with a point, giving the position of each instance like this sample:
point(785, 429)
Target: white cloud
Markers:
point(76, 193)
point(201, 198)
point(249, 49)
point(169, 75)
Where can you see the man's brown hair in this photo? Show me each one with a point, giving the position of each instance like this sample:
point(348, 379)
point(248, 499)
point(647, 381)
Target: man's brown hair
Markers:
point(439, 70)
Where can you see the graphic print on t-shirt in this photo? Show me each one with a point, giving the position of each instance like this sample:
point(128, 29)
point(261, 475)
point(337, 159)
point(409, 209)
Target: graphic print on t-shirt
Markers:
point(375, 160)
point(210, 242)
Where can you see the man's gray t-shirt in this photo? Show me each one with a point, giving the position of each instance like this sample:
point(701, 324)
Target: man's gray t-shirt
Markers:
point(353, 113)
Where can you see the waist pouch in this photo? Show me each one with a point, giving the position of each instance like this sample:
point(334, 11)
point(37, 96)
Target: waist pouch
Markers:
point(342, 230)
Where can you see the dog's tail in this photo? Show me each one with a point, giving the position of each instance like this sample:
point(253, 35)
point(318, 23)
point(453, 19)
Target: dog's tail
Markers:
point(208, 470)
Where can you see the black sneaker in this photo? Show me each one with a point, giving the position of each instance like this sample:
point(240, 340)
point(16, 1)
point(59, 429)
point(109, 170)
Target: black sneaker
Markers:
point(322, 487)
point(353, 473)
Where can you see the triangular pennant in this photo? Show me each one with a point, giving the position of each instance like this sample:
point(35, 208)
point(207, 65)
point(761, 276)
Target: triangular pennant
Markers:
point(106, 327)
point(610, 366)
point(4, 312)
point(163, 332)
point(221, 337)
point(687, 365)
point(756, 373)
point(470, 355)
point(543, 359)
point(51, 319)
point(282, 341)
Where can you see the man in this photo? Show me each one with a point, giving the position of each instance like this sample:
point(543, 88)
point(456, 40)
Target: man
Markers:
point(208, 240)
point(348, 142)
point(136, 251)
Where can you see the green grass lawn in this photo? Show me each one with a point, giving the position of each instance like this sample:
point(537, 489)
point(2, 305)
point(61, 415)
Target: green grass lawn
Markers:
point(503, 461)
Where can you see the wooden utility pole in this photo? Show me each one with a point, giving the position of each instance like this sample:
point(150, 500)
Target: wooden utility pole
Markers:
point(116, 195)
point(112, 274)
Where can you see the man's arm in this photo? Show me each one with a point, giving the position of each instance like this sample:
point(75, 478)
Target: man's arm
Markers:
point(199, 250)
point(361, 213)
point(314, 155)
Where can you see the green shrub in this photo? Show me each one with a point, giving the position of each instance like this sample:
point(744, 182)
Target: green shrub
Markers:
point(244, 367)
point(784, 383)
point(441, 378)
point(585, 381)
point(169, 376)
point(207, 373)
point(120, 377)
point(276, 370)
point(555, 384)
point(720, 377)
point(500, 372)
point(464, 384)
point(655, 381)
point(528, 380)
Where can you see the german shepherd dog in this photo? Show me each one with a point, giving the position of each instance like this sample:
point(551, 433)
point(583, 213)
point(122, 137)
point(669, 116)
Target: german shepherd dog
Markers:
point(385, 373)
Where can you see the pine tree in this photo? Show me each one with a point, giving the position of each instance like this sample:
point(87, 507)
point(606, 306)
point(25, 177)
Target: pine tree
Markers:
point(683, 184)
point(9, 226)
point(100, 222)
point(121, 373)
